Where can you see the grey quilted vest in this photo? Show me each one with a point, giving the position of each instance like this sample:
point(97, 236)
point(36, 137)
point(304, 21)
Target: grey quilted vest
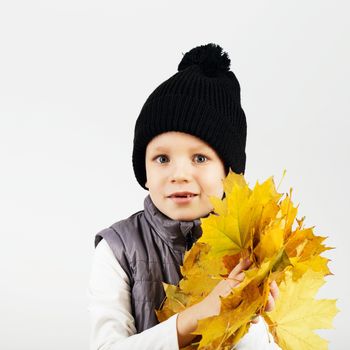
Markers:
point(150, 248)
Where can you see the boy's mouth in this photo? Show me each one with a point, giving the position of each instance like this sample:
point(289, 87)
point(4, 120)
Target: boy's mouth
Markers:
point(182, 195)
point(182, 198)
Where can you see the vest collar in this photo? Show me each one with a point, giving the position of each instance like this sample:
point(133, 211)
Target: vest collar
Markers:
point(173, 232)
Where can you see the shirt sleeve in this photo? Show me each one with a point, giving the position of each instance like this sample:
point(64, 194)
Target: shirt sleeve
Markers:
point(112, 326)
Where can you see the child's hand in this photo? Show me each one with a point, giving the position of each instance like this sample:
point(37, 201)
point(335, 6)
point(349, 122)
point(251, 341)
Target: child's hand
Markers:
point(187, 320)
point(273, 295)
point(212, 302)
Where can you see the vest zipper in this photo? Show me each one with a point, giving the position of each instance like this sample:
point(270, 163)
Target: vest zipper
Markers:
point(189, 240)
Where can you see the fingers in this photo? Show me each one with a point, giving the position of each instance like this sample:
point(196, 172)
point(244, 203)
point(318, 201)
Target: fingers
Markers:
point(274, 289)
point(235, 280)
point(270, 303)
point(273, 295)
point(242, 265)
point(236, 276)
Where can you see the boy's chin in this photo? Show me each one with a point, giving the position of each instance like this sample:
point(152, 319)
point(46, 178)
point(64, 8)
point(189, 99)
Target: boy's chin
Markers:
point(186, 217)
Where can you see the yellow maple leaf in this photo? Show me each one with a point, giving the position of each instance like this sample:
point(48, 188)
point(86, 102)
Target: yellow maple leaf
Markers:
point(297, 313)
point(303, 249)
point(258, 224)
point(237, 310)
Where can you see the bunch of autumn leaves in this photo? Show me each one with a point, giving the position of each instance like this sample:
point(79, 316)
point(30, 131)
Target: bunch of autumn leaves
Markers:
point(258, 224)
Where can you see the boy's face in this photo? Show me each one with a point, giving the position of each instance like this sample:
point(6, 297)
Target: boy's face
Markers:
point(180, 162)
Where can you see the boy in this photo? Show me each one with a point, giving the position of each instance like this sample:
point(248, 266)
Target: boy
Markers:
point(195, 123)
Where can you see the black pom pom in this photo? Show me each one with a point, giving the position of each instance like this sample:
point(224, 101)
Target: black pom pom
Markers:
point(210, 58)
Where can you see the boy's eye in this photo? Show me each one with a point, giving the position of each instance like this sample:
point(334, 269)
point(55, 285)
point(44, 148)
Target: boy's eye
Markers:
point(200, 156)
point(161, 156)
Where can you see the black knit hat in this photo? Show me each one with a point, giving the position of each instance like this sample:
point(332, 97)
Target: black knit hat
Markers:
point(201, 99)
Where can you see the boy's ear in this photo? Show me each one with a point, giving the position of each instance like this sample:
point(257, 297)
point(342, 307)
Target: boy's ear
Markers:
point(146, 185)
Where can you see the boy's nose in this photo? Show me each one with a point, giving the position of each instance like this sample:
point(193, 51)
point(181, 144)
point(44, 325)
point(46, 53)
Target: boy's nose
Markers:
point(180, 174)
point(179, 179)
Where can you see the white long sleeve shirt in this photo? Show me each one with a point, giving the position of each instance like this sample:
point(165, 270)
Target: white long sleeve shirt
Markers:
point(112, 325)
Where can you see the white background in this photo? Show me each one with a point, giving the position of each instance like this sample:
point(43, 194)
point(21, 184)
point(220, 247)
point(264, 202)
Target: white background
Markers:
point(73, 78)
